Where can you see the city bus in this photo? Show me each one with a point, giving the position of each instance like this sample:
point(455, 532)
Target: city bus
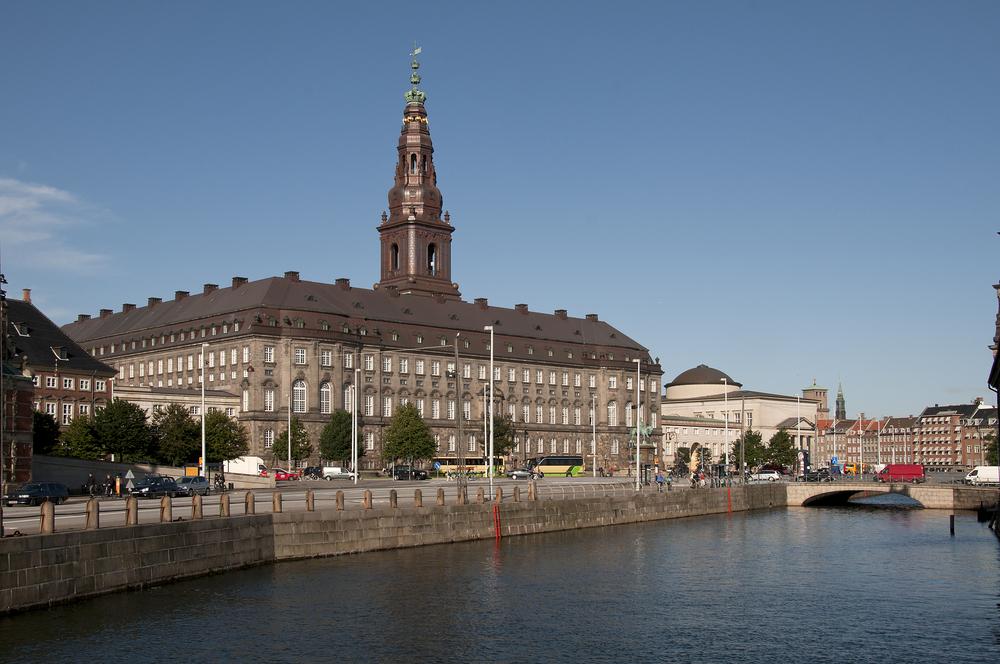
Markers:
point(567, 465)
point(476, 466)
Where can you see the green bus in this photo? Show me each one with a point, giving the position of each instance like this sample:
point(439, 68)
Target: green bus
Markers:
point(566, 465)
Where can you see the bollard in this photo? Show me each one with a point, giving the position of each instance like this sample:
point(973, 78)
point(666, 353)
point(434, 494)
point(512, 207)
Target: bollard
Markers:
point(532, 491)
point(367, 500)
point(249, 503)
point(276, 502)
point(517, 494)
point(310, 501)
point(480, 496)
point(340, 500)
point(440, 497)
point(951, 524)
point(93, 514)
point(131, 511)
point(48, 523)
point(224, 505)
point(166, 510)
point(460, 496)
point(499, 496)
point(418, 498)
point(195, 507)
point(392, 498)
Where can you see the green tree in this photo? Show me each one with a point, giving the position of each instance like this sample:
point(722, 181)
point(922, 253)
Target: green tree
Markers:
point(46, 433)
point(407, 437)
point(122, 430)
point(503, 435)
point(301, 447)
point(754, 450)
point(704, 457)
point(79, 440)
point(780, 449)
point(225, 438)
point(177, 435)
point(681, 460)
point(335, 439)
point(990, 441)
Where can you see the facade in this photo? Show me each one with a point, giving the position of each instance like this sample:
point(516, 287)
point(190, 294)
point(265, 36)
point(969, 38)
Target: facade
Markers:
point(977, 429)
point(152, 399)
point(68, 381)
point(17, 395)
point(938, 435)
point(699, 402)
point(285, 343)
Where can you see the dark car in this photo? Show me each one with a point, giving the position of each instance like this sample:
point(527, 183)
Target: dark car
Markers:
point(154, 487)
point(407, 473)
point(312, 472)
point(818, 475)
point(36, 493)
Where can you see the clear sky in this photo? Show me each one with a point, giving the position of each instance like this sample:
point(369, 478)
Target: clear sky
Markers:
point(782, 190)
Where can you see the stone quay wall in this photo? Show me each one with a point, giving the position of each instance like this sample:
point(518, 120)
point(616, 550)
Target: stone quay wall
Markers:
point(42, 570)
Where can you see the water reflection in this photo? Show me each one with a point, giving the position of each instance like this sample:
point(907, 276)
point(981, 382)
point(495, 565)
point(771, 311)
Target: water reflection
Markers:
point(803, 585)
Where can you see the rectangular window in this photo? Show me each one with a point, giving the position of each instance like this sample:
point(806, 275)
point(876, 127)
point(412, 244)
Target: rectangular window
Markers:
point(576, 416)
point(100, 385)
point(435, 368)
point(50, 408)
point(84, 409)
point(67, 413)
point(232, 356)
point(246, 354)
point(121, 371)
point(435, 409)
point(451, 409)
point(246, 400)
point(449, 370)
point(526, 413)
point(369, 362)
point(50, 381)
point(170, 365)
point(404, 365)
point(512, 412)
point(526, 376)
point(496, 373)
point(552, 378)
point(576, 380)
point(211, 360)
point(539, 377)
point(326, 358)
point(348, 360)
point(565, 379)
point(511, 375)
point(539, 415)
point(68, 382)
point(467, 410)
point(614, 446)
point(613, 382)
point(592, 381)
point(451, 443)
point(269, 400)
point(386, 364)
point(190, 363)
point(419, 367)
point(85, 384)
point(420, 407)
point(565, 415)
point(472, 443)
point(369, 440)
point(552, 414)
point(269, 353)
point(299, 355)
point(386, 406)
point(369, 405)
point(482, 372)
point(628, 383)
point(268, 438)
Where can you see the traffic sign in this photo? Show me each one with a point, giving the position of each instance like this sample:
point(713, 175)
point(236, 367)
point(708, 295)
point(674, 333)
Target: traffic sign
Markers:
point(129, 475)
point(834, 461)
point(437, 465)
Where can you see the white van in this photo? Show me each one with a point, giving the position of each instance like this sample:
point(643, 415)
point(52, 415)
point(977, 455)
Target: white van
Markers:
point(983, 476)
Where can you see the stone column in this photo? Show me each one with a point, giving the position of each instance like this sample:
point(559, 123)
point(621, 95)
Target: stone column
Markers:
point(166, 510)
point(310, 501)
point(499, 496)
point(196, 507)
point(517, 494)
point(459, 496)
point(249, 503)
point(480, 496)
point(532, 491)
point(93, 514)
point(224, 505)
point(367, 500)
point(340, 500)
point(393, 499)
point(48, 522)
point(440, 497)
point(418, 498)
point(276, 502)
point(131, 511)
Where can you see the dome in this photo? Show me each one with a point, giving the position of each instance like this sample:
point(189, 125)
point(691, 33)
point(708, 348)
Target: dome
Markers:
point(703, 375)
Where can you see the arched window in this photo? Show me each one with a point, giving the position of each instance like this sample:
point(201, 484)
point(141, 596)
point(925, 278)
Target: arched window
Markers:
point(413, 164)
point(432, 259)
point(299, 396)
point(612, 414)
point(394, 260)
point(628, 414)
point(325, 393)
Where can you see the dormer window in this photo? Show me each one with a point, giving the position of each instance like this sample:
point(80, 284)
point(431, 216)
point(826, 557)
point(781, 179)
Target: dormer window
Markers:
point(21, 329)
point(60, 353)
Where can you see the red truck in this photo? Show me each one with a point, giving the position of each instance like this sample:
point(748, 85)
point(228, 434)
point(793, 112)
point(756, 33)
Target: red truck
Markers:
point(901, 472)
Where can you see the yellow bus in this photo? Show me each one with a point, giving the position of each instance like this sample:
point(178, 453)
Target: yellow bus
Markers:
point(565, 465)
point(474, 466)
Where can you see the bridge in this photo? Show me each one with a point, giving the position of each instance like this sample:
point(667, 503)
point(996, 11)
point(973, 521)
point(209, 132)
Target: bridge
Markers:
point(932, 496)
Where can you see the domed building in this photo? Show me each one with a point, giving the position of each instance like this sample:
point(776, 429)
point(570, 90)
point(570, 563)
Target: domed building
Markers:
point(702, 405)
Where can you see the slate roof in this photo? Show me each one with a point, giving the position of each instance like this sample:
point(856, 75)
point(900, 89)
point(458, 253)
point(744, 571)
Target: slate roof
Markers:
point(292, 294)
point(790, 423)
point(964, 410)
point(702, 375)
point(35, 337)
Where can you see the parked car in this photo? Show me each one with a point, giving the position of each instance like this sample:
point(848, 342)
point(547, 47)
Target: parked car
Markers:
point(330, 473)
point(818, 475)
point(983, 476)
point(189, 486)
point(155, 486)
point(36, 493)
point(407, 473)
point(901, 472)
point(312, 473)
point(282, 475)
point(520, 474)
point(765, 476)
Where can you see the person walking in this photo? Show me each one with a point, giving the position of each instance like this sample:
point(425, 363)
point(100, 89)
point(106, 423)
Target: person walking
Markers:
point(659, 481)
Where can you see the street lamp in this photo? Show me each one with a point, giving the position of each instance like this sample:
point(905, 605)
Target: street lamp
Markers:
point(593, 431)
point(354, 420)
point(638, 428)
point(204, 458)
point(725, 439)
point(490, 449)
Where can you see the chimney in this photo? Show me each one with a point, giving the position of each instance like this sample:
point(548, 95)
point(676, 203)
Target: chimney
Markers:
point(106, 312)
point(482, 303)
point(82, 317)
point(291, 275)
point(561, 313)
point(592, 317)
point(26, 295)
point(521, 309)
point(239, 281)
point(153, 301)
point(180, 295)
point(127, 307)
point(344, 283)
point(208, 288)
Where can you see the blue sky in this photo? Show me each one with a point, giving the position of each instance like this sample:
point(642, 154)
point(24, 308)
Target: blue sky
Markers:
point(782, 190)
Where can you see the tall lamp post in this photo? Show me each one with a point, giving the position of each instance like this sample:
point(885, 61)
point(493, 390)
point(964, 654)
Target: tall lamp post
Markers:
point(490, 410)
point(638, 428)
point(725, 438)
point(354, 420)
point(593, 431)
point(204, 458)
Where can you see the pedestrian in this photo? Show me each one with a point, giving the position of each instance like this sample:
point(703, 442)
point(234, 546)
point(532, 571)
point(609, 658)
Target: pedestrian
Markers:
point(108, 485)
point(91, 485)
point(659, 481)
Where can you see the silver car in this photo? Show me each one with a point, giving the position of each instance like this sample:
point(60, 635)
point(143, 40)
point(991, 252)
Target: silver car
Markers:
point(189, 486)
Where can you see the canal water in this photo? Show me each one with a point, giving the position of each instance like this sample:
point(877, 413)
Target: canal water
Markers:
point(799, 585)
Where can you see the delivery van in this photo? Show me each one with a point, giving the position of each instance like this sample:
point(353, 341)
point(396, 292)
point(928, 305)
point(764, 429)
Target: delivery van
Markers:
point(901, 472)
point(983, 476)
point(246, 465)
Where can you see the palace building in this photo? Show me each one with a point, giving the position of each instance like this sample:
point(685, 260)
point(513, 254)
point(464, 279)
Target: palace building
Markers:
point(285, 343)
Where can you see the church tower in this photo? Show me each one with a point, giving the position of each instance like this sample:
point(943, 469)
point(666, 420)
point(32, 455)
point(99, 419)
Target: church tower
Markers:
point(841, 405)
point(415, 238)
